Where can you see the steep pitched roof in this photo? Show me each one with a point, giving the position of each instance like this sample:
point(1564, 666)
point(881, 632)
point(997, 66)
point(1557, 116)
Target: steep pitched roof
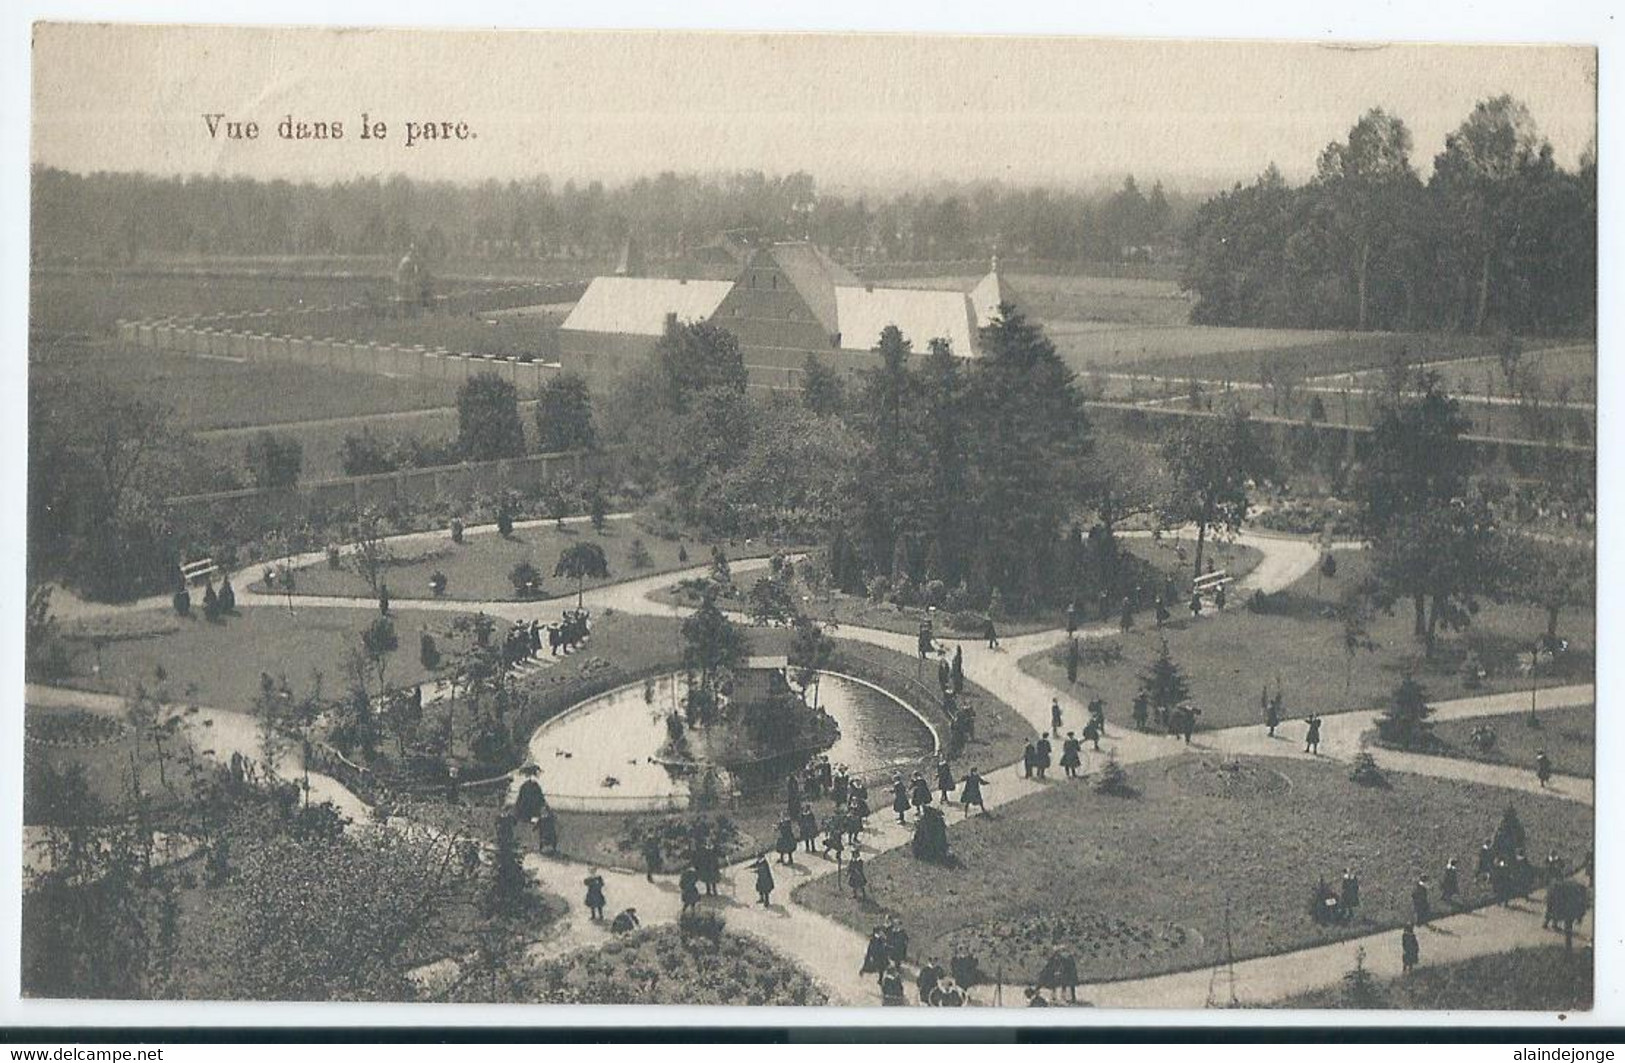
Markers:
point(989, 293)
point(815, 276)
point(638, 306)
point(921, 314)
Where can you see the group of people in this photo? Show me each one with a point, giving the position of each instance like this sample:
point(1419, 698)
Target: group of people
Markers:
point(524, 639)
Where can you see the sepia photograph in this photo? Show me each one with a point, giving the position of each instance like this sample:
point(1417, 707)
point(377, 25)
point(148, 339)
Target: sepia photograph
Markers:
point(723, 519)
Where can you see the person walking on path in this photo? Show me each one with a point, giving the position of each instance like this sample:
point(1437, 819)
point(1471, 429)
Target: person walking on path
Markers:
point(858, 878)
point(1097, 713)
point(688, 885)
point(1162, 613)
point(1141, 711)
point(1072, 618)
point(1410, 950)
point(653, 859)
point(1350, 894)
point(708, 862)
point(1419, 901)
point(1272, 712)
point(899, 798)
point(1125, 620)
point(835, 838)
point(807, 827)
point(1091, 734)
point(929, 978)
point(891, 988)
point(1187, 721)
point(991, 634)
point(1196, 606)
point(764, 880)
point(875, 955)
point(1029, 760)
point(959, 670)
point(1055, 715)
point(945, 779)
point(1044, 751)
point(786, 843)
point(1218, 598)
point(595, 895)
point(919, 794)
point(1072, 754)
point(970, 792)
point(547, 831)
point(1450, 882)
point(1543, 768)
point(1311, 739)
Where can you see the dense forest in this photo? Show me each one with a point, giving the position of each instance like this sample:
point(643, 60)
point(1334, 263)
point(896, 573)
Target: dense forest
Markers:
point(128, 217)
point(1499, 237)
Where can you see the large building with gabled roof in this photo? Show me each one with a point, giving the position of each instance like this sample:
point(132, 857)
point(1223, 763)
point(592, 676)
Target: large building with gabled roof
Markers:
point(787, 301)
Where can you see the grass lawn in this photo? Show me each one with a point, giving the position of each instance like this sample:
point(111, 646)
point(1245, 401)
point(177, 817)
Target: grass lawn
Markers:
point(107, 763)
point(478, 568)
point(1089, 343)
point(219, 664)
point(504, 335)
point(1534, 979)
point(666, 965)
point(1334, 352)
point(208, 393)
point(1139, 886)
point(1570, 365)
point(1059, 300)
point(1569, 737)
point(1229, 658)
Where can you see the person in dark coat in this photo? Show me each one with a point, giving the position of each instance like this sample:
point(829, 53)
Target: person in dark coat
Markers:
point(1486, 859)
point(841, 788)
point(1162, 613)
point(688, 886)
point(626, 922)
point(1071, 621)
point(528, 802)
point(1091, 734)
point(1196, 605)
point(1072, 754)
point(1410, 950)
point(945, 780)
point(899, 798)
point(1351, 893)
point(857, 877)
point(896, 942)
point(959, 670)
point(1125, 620)
point(1141, 710)
point(786, 844)
point(835, 837)
point(892, 993)
point(1187, 721)
point(1097, 713)
point(874, 954)
point(919, 794)
point(708, 864)
point(990, 633)
point(547, 831)
point(1311, 738)
point(1029, 760)
point(1543, 768)
point(1419, 900)
point(1055, 715)
point(970, 792)
point(1450, 883)
point(807, 828)
point(764, 880)
point(595, 895)
point(929, 978)
point(1043, 749)
point(654, 859)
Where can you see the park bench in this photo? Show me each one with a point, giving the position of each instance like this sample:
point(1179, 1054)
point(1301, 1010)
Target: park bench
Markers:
point(200, 571)
point(1206, 585)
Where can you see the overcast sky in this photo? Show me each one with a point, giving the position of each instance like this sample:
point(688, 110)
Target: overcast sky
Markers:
point(852, 110)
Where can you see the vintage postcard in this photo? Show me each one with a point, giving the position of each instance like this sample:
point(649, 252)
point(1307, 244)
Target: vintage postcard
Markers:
point(701, 518)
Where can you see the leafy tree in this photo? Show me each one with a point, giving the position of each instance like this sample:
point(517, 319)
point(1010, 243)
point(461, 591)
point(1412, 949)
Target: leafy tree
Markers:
point(526, 580)
point(1553, 575)
point(379, 641)
point(712, 647)
point(1210, 461)
point(770, 603)
point(488, 424)
point(371, 553)
point(1354, 618)
point(274, 460)
point(510, 885)
point(564, 415)
point(1405, 722)
point(698, 357)
point(582, 561)
point(811, 651)
point(823, 392)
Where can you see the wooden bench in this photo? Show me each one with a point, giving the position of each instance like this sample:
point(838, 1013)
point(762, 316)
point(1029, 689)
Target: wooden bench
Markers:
point(1211, 582)
point(199, 571)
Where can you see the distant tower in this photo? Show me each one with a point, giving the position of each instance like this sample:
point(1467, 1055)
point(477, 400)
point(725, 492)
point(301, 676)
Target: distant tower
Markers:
point(631, 262)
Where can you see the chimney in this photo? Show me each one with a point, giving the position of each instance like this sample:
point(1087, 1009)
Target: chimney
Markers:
point(671, 321)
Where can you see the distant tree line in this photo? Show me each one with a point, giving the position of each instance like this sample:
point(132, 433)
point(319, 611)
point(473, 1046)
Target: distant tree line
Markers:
point(1499, 237)
point(125, 217)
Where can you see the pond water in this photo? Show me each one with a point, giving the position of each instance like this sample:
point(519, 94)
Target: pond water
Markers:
point(599, 756)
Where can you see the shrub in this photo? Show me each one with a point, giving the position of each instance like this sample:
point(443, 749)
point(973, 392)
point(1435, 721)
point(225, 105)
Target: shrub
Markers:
point(638, 554)
point(966, 620)
point(334, 559)
point(526, 580)
point(1265, 604)
point(958, 600)
point(1365, 770)
point(903, 593)
point(1113, 779)
point(879, 589)
point(504, 522)
point(1472, 672)
point(707, 923)
point(1484, 738)
point(1405, 722)
point(934, 592)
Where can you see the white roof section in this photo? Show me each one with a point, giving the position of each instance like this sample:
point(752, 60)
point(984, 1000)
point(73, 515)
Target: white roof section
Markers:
point(921, 314)
point(989, 292)
point(637, 306)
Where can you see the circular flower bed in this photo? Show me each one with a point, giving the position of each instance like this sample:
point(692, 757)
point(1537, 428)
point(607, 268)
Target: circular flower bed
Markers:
point(1021, 947)
point(1229, 779)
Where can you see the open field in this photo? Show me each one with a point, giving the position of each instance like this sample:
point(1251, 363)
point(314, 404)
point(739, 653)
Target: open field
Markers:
point(1079, 299)
point(532, 337)
point(1325, 353)
point(1141, 885)
point(478, 568)
point(1569, 737)
point(1540, 979)
point(208, 393)
point(1180, 348)
point(1228, 659)
point(1568, 368)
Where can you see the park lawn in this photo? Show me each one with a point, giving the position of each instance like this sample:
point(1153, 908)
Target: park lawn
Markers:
point(107, 766)
point(477, 569)
point(1066, 298)
point(1569, 737)
point(219, 664)
point(532, 338)
point(1570, 367)
point(321, 442)
point(1334, 352)
point(1546, 978)
point(668, 965)
point(1228, 659)
point(1087, 343)
point(211, 393)
point(1141, 885)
